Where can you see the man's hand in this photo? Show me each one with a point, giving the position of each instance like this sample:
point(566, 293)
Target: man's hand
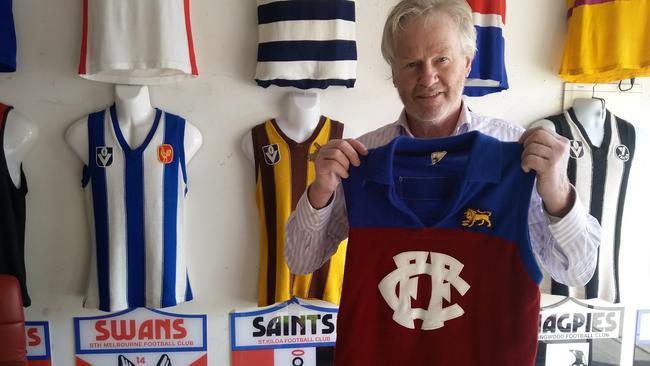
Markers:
point(547, 153)
point(332, 164)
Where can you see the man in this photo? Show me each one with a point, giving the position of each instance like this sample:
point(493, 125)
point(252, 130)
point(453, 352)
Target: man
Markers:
point(429, 69)
point(429, 45)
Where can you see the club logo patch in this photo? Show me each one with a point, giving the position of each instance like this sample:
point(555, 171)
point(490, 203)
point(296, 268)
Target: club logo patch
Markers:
point(436, 156)
point(312, 156)
point(271, 154)
point(165, 153)
point(104, 156)
point(444, 271)
point(622, 152)
point(576, 150)
point(477, 217)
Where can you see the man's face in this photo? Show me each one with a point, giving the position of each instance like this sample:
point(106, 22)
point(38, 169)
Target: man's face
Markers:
point(430, 69)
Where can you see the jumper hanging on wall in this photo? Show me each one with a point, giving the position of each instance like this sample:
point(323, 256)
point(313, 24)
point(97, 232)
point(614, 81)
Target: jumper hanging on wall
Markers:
point(137, 42)
point(7, 37)
point(606, 40)
point(306, 44)
point(488, 73)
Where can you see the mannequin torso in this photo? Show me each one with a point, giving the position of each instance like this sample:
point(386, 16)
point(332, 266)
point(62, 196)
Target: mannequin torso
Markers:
point(301, 115)
point(298, 120)
point(134, 113)
point(135, 117)
point(20, 137)
point(590, 113)
point(135, 182)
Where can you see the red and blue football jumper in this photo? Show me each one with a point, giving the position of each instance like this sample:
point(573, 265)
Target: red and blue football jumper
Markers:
point(488, 74)
point(439, 269)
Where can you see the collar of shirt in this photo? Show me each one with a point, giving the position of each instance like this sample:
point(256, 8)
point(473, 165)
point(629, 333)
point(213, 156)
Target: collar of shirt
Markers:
point(484, 163)
point(462, 126)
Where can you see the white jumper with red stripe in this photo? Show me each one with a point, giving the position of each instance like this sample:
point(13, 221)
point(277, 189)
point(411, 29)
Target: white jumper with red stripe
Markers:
point(137, 42)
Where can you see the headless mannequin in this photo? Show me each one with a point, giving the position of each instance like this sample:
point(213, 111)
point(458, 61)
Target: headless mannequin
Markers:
point(298, 120)
point(591, 115)
point(301, 116)
point(20, 137)
point(135, 116)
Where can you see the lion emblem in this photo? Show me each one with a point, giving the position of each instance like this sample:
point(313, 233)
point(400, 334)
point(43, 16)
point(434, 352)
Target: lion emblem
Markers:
point(478, 217)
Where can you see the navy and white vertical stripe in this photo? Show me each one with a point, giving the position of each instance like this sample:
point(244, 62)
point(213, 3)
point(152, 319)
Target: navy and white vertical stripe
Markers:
point(306, 44)
point(135, 206)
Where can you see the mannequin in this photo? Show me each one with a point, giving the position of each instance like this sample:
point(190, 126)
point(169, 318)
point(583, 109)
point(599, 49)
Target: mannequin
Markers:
point(135, 116)
point(601, 153)
point(298, 119)
point(20, 137)
point(282, 152)
point(133, 159)
point(301, 116)
point(591, 115)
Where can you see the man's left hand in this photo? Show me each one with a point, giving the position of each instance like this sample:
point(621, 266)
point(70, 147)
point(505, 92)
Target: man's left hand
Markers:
point(547, 153)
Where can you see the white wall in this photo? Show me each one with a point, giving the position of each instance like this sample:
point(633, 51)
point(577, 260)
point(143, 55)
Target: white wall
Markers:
point(224, 103)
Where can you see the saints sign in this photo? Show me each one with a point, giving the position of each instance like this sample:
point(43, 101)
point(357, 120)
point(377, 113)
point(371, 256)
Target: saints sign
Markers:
point(296, 332)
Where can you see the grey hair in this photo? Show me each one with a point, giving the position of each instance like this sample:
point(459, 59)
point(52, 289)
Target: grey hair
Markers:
point(458, 11)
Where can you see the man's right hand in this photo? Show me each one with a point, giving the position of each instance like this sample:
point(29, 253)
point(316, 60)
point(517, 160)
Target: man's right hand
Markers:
point(332, 164)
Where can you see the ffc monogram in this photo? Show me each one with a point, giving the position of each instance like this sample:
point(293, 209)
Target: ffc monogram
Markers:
point(445, 273)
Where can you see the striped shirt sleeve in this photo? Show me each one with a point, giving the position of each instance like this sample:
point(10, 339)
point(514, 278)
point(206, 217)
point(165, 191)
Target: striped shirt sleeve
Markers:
point(312, 236)
point(566, 247)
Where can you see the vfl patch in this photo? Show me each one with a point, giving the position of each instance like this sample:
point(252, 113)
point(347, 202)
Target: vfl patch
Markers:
point(576, 150)
point(165, 153)
point(436, 156)
point(622, 152)
point(104, 156)
point(271, 154)
point(312, 156)
point(478, 217)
